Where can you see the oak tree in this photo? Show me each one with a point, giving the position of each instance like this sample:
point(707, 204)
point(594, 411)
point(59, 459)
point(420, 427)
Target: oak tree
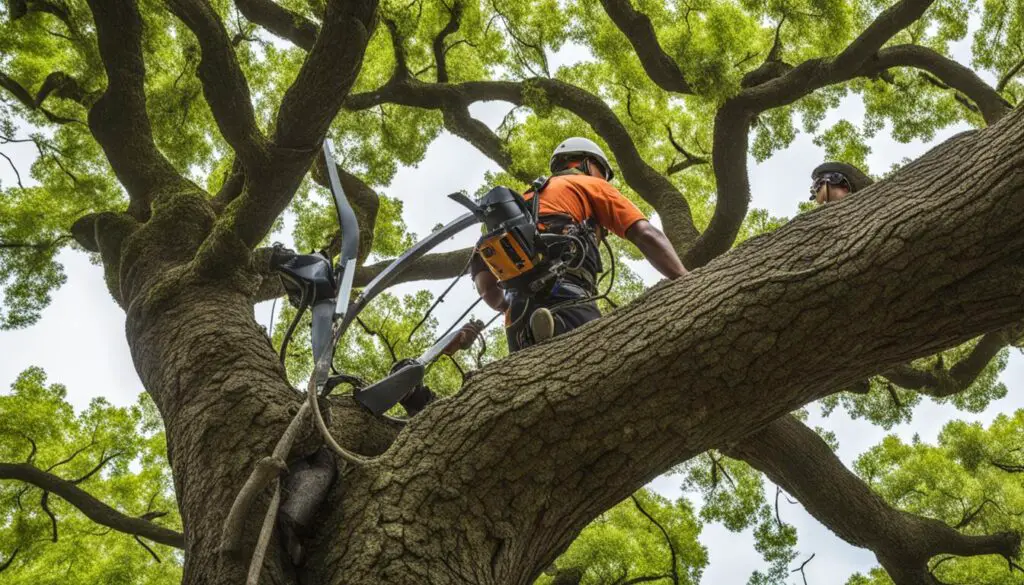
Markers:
point(172, 137)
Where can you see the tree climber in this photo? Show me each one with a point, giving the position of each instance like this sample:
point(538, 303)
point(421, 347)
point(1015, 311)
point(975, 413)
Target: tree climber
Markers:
point(578, 198)
point(834, 180)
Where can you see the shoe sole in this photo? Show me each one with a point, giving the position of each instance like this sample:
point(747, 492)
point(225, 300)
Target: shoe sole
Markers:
point(542, 325)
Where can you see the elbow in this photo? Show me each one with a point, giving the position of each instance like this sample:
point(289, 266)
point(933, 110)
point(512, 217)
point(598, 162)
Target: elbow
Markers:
point(642, 233)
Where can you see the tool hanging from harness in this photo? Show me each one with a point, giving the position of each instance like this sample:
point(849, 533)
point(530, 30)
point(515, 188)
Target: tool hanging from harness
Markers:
point(527, 251)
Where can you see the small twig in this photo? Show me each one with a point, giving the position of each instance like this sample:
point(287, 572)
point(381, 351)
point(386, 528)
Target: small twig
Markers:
point(149, 550)
point(455, 363)
point(1008, 467)
point(17, 175)
point(1013, 71)
point(719, 467)
point(32, 454)
point(931, 571)
point(9, 560)
point(778, 517)
point(894, 396)
point(668, 539)
point(71, 457)
point(149, 515)
point(801, 568)
point(382, 337)
point(969, 517)
point(45, 502)
point(103, 461)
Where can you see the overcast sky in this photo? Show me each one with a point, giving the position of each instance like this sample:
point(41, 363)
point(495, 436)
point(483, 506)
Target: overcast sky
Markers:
point(80, 340)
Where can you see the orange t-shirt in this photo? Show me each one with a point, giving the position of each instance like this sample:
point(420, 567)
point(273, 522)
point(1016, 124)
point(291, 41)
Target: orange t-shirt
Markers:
point(582, 197)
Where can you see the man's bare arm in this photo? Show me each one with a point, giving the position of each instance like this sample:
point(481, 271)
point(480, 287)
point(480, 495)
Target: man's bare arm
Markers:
point(656, 247)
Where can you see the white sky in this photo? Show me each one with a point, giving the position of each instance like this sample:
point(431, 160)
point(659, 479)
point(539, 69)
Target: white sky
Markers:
point(80, 340)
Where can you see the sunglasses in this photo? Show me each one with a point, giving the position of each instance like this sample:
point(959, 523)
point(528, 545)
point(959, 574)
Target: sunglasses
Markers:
point(831, 179)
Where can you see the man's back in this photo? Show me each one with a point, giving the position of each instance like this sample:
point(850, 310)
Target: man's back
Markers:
point(583, 197)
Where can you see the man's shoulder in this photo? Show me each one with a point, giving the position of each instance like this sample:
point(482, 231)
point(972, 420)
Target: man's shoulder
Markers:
point(585, 182)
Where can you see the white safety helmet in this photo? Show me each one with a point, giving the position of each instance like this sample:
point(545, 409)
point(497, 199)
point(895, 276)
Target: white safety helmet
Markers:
point(576, 147)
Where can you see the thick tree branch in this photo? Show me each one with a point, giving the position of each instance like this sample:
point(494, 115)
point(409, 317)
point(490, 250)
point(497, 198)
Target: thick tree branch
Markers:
point(797, 459)
point(855, 60)
point(224, 84)
point(119, 120)
point(942, 382)
point(459, 122)
point(660, 67)
point(306, 112)
point(1010, 74)
point(732, 183)
point(454, 108)
point(885, 26)
point(315, 97)
point(650, 184)
point(440, 51)
point(990, 103)
point(64, 86)
point(280, 21)
point(45, 503)
point(732, 122)
point(520, 455)
point(22, 95)
point(94, 509)
point(401, 71)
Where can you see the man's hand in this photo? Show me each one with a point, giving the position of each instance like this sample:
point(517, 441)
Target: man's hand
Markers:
point(488, 289)
point(467, 335)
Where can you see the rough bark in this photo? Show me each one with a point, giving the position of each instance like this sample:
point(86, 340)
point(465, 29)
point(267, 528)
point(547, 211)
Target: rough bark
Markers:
point(224, 85)
point(119, 120)
point(307, 109)
point(660, 67)
point(537, 444)
point(224, 401)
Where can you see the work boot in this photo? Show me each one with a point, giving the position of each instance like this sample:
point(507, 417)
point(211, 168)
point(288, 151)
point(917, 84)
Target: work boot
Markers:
point(542, 325)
